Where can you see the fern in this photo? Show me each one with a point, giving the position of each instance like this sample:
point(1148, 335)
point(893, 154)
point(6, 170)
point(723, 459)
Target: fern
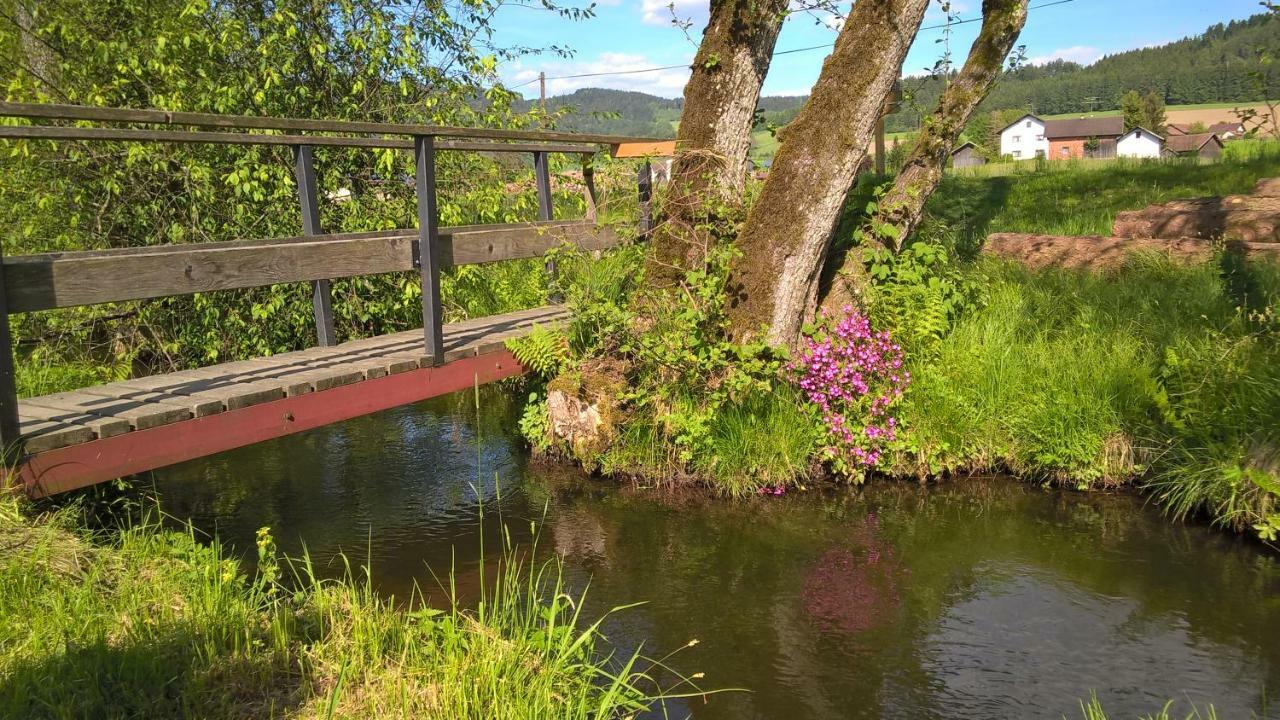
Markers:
point(544, 351)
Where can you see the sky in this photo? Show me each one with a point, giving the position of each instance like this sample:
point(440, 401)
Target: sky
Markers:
point(639, 34)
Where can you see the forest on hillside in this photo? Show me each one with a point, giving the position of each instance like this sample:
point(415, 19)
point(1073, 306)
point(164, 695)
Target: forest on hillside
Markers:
point(1220, 65)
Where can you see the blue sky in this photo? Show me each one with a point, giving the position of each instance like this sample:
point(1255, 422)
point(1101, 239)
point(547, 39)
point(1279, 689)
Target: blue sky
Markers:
point(637, 34)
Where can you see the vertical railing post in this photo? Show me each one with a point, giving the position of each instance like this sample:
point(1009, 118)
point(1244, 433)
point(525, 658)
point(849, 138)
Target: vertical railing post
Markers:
point(644, 182)
point(546, 211)
point(589, 188)
point(424, 152)
point(304, 170)
point(9, 425)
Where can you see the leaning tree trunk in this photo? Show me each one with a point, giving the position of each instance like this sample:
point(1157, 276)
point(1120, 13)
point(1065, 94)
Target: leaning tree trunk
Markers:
point(902, 207)
point(785, 239)
point(715, 131)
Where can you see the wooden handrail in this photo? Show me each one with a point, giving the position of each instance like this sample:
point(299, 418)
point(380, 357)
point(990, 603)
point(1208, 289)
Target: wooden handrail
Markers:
point(253, 122)
point(55, 132)
point(68, 279)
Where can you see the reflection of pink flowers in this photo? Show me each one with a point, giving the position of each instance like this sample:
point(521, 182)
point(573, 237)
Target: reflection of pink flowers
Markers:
point(771, 490)
point(854, 376)
point(852, 590)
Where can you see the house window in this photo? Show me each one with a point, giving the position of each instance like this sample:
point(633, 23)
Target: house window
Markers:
point(1064, 151)
point(1016, 153)
point(1017, 138)
point(1039, 138)
point(1028, 123)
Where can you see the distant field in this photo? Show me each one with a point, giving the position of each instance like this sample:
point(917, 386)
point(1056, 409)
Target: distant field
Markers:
point(764, 145)
point(1207, 113)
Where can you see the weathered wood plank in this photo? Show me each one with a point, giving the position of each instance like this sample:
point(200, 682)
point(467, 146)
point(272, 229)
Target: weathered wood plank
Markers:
point(251, 122)
point(56, 280)
point(102, 427)
point(472, 247)
point(69, 279)
point(141, 409)
point(208, 391)
point(40, 435)
point(48, 132)
point(193, 396)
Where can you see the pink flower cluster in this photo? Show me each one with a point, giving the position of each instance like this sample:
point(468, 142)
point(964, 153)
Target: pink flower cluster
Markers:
point(771, 490)
point(854, 376)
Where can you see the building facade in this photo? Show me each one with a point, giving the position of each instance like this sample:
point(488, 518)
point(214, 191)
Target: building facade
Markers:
point(1024, 139)
point(1140, 143)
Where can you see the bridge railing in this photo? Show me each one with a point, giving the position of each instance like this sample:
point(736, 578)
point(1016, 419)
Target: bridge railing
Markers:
point(46, 281)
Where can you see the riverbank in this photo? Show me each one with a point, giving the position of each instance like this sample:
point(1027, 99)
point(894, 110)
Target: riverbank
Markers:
point(144, 622)
point(1153, 374)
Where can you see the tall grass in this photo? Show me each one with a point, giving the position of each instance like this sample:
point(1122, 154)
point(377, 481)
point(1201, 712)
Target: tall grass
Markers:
point(1159, 373)
point(148, 623)
point(1093, 710)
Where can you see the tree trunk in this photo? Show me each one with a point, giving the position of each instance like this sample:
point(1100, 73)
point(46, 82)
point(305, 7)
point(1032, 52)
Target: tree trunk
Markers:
point(715, 131)
point(37, 56)
point(903, 206)
point(785, 239)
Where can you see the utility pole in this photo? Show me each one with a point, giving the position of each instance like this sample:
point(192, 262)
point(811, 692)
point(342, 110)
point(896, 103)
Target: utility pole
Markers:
point(542, 91)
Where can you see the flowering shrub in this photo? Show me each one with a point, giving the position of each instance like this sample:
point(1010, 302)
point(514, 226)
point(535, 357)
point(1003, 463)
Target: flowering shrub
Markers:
point(854, 376)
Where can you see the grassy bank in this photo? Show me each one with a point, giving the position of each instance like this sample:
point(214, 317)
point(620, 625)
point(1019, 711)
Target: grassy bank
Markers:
point(1156, 374)
point(1162, 374)
point(1082, 197)
point(148, 623)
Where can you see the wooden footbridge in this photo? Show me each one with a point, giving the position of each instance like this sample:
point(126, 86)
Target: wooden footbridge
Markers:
point(74, 439)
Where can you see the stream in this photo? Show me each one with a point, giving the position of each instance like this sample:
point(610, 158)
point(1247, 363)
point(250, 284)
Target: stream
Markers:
point(978, 598)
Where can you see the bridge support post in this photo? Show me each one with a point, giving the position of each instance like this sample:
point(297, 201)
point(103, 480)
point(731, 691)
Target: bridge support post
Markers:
point(546, 210)
point(304, 170)
point(644, 182)
point(10, 440)
point(428, 261)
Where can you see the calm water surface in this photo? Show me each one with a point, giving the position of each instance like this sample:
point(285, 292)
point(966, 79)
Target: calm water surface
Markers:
point(978, 599)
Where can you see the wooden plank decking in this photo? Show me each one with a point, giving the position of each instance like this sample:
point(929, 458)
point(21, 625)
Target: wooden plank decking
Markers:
point(50, 422)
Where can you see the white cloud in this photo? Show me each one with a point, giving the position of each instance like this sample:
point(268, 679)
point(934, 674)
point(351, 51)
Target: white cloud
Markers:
point(664, 12)
point(1083, 54)
point(665, 83)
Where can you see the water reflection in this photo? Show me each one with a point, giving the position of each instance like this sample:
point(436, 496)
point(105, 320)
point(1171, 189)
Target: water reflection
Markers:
point(981, 599)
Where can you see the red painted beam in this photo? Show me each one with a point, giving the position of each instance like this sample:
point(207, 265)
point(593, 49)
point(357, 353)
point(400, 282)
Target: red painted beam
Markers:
point(78, 466)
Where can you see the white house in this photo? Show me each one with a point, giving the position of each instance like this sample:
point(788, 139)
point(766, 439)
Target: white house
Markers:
point(1139, 143)
point(1024, 139)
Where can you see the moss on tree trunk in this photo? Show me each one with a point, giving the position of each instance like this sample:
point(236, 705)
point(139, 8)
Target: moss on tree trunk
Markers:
point(902, 207)
point(715, 131)
point(786, 236)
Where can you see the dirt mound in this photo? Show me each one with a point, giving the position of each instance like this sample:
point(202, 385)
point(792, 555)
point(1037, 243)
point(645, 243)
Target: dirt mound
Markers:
point(1267, 187)
point(1096, 252)
point(1234, 217)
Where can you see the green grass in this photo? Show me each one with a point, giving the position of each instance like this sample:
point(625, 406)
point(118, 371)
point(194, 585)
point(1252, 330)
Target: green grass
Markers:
point(1157, 373)
point(763, 441)
point(142, 622)
point(1093, 710)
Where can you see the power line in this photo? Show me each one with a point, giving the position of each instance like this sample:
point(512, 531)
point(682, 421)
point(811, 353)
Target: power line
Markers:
point(779, 52)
